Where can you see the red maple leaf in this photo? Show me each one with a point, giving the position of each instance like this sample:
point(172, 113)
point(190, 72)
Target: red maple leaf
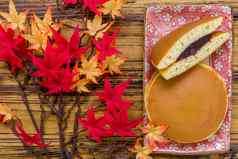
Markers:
point(27, 139)
point(50, 63)
point(21, 49)
point(113, 96)
point(70, 1)
point(60, 81)
point(120, 124)
point(71, 46)
point(11, 49)
point(14, 62)
point(106, 46)
point(2, 118)
point(95, 127)
point(93, 5)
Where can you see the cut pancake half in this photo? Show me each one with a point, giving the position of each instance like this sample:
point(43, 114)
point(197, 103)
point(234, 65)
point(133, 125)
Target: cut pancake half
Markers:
point(169, 48)
point(193, 104)
point(216, 40)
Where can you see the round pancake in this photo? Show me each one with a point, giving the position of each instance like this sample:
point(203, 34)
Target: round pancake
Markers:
point(193, 104)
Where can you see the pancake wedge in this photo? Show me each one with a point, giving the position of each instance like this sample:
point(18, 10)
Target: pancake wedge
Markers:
point(193, 104)
point(217, 40)
point(168, 49)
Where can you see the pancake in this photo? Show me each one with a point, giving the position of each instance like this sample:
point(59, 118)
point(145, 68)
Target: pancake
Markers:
point(168, 49)
point(216, 40)
point(193, 104)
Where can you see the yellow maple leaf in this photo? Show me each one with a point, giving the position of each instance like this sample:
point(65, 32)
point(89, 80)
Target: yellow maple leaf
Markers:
point(154, 135)
point(80, 84)
point(3, 23)
point(6, 113)
point(46, 23)
point(41, 30)
point(37, 39)
point(96, 28)
point(142, 152)
point(112, 7)
point(15, 20)
point(113, 63)
point(90, 69)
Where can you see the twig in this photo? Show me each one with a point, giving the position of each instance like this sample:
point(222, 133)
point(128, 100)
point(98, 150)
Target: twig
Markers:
point(76, 126)
point(67, 117)
point(42, 116)
point(26, 103)
point(44, 100)
point(71, 139)
point(42, 120)
point(51, 104)
point(64, 151)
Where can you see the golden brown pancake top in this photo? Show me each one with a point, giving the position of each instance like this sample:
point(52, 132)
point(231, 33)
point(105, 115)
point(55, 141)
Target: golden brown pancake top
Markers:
point(193, 104)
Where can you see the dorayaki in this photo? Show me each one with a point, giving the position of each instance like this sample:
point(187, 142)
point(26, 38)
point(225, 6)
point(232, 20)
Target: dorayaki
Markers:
point(193, 104)
point(197, 39)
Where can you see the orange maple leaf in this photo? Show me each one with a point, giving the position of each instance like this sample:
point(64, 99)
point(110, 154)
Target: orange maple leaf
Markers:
point(46, 23)
point(112, 7)
point(113, 63)
point(14, 19)
point(41, 30)
point(6, 113)
point(80, 84)
point(90, 69)
point(142, 152)
point(37, 39)
point(154, 135)
point(96, 28)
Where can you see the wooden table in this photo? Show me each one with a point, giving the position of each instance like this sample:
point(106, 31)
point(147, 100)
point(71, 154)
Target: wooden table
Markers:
point(131, 43)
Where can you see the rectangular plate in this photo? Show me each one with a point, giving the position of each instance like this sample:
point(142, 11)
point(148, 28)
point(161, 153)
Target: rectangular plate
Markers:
point(161, 20)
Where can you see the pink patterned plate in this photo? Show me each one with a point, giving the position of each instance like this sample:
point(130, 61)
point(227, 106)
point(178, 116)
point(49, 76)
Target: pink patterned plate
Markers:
point(161, 20)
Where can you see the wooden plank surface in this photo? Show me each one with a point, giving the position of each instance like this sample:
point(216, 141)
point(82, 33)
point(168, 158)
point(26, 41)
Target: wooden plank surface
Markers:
point(131, 43)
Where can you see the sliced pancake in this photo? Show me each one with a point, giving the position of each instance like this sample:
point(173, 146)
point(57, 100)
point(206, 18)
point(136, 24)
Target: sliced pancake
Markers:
point(168, 49)
point(215, 41)
point(193, 104)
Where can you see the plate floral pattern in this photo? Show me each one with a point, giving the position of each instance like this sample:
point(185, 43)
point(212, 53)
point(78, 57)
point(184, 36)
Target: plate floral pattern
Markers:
point(161, 20)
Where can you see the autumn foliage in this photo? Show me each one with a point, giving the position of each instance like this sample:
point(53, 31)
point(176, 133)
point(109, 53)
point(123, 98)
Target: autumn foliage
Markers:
point(38, 53)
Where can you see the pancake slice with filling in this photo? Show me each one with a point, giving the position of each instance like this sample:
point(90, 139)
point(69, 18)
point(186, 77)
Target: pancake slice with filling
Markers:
point(167, 50)
point(216, 40)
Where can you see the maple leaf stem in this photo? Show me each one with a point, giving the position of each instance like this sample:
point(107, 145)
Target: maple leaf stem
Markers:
point(98, 31)
point(85, 14)
point(81, 38)
point(92, 51)
point(69, 26)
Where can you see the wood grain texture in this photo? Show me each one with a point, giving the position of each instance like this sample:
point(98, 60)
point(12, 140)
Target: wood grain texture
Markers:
point(131, 43)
